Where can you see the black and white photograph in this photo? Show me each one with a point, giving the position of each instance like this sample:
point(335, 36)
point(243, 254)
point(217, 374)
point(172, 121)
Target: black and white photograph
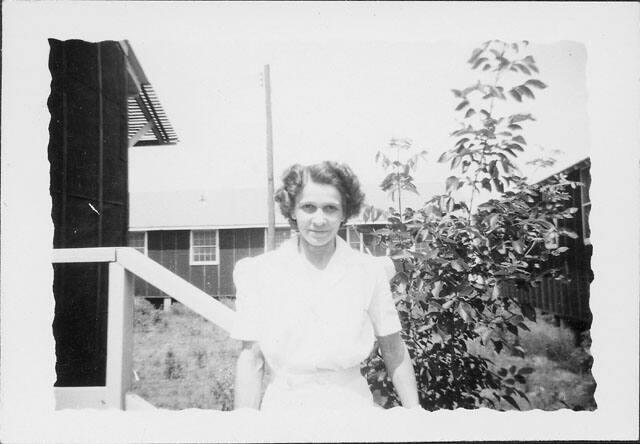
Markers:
point(319, 221)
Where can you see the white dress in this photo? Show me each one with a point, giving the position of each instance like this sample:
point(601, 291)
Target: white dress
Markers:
point(314, 327)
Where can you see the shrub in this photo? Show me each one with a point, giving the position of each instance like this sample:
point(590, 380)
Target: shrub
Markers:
point(455, 254)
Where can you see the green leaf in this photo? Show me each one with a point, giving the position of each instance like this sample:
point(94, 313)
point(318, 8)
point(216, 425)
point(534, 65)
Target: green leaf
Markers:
point(493, 221)
point(470, 112)
point(452, 183)
point(486, 335)
point(493, 169)
point(510, 400)
point(478, 62)
point(515, 94)
point(518, 351)
point(474, 55)
point(523, 68)
point(456, 92)
point(519, 139)
point(408, 186)
point(502, 372)
point(567, 232)
point(458, 265)
point(446, 156)
point(525, 371)
point(537, 83)
point(518, 246)
point(525, 91)
point(498, 184)
point(520, 118)
point(523, 326)
point(463, 313)
point(462, 105)
point(514, 127)
point(528, 311)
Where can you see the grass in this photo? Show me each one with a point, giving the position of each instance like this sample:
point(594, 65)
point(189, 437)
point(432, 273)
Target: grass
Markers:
point(182, 361)
point(562, 367)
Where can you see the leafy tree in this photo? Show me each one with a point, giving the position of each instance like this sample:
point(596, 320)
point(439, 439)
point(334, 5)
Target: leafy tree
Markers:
point(456, 255)
point(399, 177)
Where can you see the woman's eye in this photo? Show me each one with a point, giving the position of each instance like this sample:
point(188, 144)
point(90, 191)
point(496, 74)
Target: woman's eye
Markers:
point(331, 209)
point(308, 208)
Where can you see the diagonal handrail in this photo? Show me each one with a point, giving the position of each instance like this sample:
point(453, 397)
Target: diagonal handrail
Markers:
point(176, 287)
point(155, 274)
point(124, 262)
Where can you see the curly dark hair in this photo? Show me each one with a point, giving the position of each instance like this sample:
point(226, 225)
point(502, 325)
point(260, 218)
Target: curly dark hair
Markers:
point(337, 174)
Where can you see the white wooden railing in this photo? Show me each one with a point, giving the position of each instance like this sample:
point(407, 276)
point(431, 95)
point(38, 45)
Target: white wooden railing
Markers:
point(124, 263)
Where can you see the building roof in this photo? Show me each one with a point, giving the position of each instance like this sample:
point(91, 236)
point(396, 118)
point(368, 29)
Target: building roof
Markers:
point(238, 208)
point(583, 163)
point(148, 123)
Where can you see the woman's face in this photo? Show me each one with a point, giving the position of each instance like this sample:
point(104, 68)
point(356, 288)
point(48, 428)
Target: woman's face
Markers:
point(319, 213)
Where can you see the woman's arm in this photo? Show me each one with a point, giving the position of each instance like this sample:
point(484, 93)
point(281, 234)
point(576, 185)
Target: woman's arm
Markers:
point(398, 362)
point(249, 374)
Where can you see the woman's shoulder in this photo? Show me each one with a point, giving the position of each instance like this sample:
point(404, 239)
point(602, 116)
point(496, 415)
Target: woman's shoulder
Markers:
point(376, 264)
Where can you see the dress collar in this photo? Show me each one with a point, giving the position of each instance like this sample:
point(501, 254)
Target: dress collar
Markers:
point(337, 266)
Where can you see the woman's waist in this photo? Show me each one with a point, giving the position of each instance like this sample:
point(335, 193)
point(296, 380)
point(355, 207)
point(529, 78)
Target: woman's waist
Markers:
point(324, 377)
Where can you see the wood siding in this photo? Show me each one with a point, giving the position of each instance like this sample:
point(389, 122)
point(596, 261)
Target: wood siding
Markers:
point(88, 173)
point(568, 300)
point(171, 249)
point(235, 245)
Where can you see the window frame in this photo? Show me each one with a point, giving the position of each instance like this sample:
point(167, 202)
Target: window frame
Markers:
point(585, 205)
point(193, 261)
point(349, 238)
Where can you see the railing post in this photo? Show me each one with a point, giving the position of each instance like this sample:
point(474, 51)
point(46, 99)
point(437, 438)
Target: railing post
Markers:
point(119, 335)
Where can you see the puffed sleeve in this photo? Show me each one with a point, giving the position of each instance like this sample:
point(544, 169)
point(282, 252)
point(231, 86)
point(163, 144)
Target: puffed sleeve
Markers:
point(382, 309)
point(247, 321)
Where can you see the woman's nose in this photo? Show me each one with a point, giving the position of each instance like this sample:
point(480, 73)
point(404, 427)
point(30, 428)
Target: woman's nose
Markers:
point(319, 217)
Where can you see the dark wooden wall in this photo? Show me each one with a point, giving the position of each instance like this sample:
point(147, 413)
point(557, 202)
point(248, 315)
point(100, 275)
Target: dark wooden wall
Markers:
point(88, 172)
point(569, 300)
point(171, 249)
point(235, 245)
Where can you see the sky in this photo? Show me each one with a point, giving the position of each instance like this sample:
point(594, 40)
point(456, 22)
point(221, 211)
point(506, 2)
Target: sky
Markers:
point(341, 99)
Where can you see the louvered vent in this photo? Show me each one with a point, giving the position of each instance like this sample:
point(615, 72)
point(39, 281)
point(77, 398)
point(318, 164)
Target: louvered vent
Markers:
point(145, 111)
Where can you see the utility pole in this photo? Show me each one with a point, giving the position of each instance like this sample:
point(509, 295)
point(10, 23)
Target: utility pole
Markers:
point(271, 222)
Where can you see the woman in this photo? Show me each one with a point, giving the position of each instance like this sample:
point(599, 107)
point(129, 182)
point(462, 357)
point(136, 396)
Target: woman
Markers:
point(310, 309)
